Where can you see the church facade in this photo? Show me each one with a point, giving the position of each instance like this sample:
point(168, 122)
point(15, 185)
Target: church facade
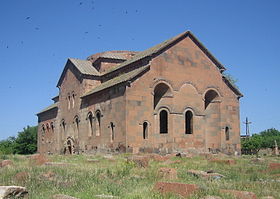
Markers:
point(172, 97)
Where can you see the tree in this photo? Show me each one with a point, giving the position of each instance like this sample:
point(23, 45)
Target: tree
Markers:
point(7, 146)
point(26, 141)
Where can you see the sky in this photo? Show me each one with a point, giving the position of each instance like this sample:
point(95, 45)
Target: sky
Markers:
point(37, 37)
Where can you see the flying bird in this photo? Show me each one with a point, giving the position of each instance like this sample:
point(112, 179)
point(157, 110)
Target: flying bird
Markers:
point(86, 32)
point(27, 18)
point(81, 3)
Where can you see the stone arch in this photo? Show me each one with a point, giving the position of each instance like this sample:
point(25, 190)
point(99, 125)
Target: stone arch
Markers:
point(76, 124)
point(212, 101)
point(190, 84)
point(161, 90)
point(163, 118)
point(69, 146)
point(189, 117)
point(90, 123)
point(210, 96)
point(98, 122)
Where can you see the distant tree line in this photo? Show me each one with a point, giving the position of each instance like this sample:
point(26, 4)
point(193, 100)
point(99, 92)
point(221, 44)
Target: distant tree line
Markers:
point(24, 143)
point(264, 140)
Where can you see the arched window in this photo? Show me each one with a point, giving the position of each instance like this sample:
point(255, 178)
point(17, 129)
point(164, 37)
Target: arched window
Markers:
point(90, 124)
point(210, 96)
point(73, 100)
point(188, 122)
point(63, 125)
point(52, 127)
point(145, 130)
point(48, 128)
point(163, 121)
point(43, 130)
point(112, 131)
point(76, 121)
point(160, 91)
point(227, 133)
point(69, 101)
point(98, 123)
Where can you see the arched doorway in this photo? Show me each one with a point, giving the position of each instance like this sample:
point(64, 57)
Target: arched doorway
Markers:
point(69, 147)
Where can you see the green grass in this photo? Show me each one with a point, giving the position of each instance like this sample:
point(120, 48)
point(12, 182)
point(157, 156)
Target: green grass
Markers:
point(84, 180)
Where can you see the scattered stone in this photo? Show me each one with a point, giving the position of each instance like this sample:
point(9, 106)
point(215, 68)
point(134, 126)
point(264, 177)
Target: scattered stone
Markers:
point(220, 161)
point(38, 159)
point(105, 196)
point(257, 160)
point(159, 158)
point(168, 173)
point(207, 156)
point(140, 161)
point(274, 166)
point(267, 197)
point(180, 189)
point(240, 194)
point(5, 163)
point(205, 175)
point(61, 196)
point(12, 192)
point(21, 176)
point(212, 197)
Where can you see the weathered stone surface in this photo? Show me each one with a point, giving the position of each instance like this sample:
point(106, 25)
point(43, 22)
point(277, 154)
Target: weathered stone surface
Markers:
point(274, 166)
point(211, 197)
point(240, 194)
point(38, 159)
point(105, 196)
point(221, 161)
point(140, 161)
point(12, 191)
point(181, 189)
point(168, 173)
point(205, 175)
point(5, 163)
point(267, 197)
point(159, 158)
point(21, 176)
point(61, 196)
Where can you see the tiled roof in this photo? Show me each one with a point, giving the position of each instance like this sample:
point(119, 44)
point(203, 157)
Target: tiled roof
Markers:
point(157, 48)
point(84, 66)
point(117, 80)
point(113, 56)
point(55, 105)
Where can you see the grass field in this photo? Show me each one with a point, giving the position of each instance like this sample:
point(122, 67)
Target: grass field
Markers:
point(84, 176)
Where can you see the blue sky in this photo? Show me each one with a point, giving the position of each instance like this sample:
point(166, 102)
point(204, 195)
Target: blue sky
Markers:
point(37, 37)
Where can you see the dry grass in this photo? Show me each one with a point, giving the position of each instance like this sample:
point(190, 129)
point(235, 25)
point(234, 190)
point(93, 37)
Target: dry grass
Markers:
point(116, 176)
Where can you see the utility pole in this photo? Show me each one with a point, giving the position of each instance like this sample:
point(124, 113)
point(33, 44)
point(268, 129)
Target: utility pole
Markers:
point(247, 127)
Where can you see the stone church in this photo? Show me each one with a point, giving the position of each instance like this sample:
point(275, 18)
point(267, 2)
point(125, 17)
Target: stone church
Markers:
point(172, 97)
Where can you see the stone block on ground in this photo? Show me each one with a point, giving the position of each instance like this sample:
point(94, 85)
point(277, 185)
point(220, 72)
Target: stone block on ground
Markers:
point(267, 197)
point(274, 166)
point(180, 189)
point(5, 163)
point(140, 161)
point(12, 192)
point(105, 196)
point(206, 175)
point(60, 164)
point(168, 173)
point(61, 196)
point(48, 176)
point(37, 159)
point(21, 176)
point(211, 197)
point(240, 194)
